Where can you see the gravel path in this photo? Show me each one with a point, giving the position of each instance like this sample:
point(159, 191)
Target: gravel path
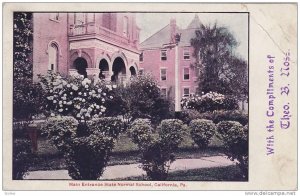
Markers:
point(123, 171)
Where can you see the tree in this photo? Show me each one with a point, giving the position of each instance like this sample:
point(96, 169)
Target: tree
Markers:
point(219, 69)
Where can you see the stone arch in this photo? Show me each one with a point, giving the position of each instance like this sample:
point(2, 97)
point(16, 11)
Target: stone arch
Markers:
point(79, 53)
point(51, 43)
point(119, 70)
point(121, 55)
point(80, 64)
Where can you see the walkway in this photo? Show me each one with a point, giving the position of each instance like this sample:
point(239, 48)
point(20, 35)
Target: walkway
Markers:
point(123, 171)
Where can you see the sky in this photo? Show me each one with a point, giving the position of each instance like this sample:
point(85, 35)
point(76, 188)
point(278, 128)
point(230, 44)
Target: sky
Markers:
point(237, 23)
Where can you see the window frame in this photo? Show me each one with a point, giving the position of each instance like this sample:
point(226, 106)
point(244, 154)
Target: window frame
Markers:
point(166, 75)
point(164, 88)
point(189, 74)
point(161, 56)
point(184, 54)
point(141, 55)
point(183, 93)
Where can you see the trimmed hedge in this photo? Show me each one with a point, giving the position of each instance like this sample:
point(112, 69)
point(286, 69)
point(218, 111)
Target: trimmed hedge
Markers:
point(202, 131)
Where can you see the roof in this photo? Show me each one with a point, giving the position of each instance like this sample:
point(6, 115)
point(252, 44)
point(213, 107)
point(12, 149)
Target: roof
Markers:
point(162, 37)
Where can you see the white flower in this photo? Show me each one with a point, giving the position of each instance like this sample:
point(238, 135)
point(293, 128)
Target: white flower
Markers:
point(82, 120)
point(99, 90)
point(52, 114)
point(51, 91)
point(78, 115)
point(86, 86)
point(65, 95)
point(79, 93)
point(104, 94)
point(74, 87)
point(90, 93)
point(71, 93)
point(64, 102)
point(60, 102)
point(66, 109)
point(60, 110)
point(68, 85)
point(114, 86)
point(111, 97)
point(83, 100)
point(84, 94)
point(97, 107)
point(103, 100)
point(96, 115)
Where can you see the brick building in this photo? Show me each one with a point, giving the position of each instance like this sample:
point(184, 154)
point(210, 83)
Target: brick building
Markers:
point(169, 51)
point(86, 43)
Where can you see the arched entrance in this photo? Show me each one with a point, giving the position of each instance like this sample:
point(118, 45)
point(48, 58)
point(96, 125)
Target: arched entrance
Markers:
point(104, 69)
point(119, 71)
point(132, 71)
point(80, 64)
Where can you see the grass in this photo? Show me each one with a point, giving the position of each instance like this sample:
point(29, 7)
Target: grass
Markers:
point(229, 173)
point(125, 152)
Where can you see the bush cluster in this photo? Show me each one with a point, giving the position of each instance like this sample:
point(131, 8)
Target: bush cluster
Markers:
point(202, 131)
point(86, 147)
point(209, 102)
point(22, 158)
point(235, 138)
point(157, 146)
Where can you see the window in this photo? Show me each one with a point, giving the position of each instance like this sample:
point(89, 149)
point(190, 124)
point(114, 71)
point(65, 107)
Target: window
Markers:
point(52, 55)
point(141, 71)
point(163, 91)
point(186, 54)
point(109, 21)
point(163, 55)
point(163, 74)
point(79, 18)
point(186, 73)
point(141, 57)
point(125, 26)
point(54, 16)
point(186, 91)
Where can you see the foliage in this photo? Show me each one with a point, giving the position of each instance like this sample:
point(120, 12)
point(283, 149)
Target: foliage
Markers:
point(77, 96)
point(22, 158)
point(209, 102)
point(86, 147)
point(230, 115)
point(235, 138)
point(187, 115)
point(22, 47)
point(144, 100)
point(157, 147)
point(28, 99)
point(220, 70)
point(202, 131)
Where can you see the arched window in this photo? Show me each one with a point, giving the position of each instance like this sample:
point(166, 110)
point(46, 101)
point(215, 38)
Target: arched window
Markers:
point(53, 58)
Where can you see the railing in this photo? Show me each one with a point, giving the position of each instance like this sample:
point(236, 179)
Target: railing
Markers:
point(90, 28)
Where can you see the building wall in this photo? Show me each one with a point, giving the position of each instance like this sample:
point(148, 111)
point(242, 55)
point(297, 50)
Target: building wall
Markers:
point(45, 32)
point(152, 63)
point(83, 35)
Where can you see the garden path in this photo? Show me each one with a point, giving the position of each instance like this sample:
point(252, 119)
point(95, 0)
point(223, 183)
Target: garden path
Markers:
point(123, 171)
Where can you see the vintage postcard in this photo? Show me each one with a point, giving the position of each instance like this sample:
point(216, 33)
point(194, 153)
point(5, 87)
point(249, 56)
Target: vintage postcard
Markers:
point(150, 96)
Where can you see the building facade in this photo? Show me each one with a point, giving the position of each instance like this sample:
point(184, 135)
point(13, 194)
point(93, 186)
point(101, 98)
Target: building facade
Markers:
point(169, 51)
point(104, 45)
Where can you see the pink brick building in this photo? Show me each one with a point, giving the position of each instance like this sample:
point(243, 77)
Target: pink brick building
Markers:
point(92, 44)
point(162, 55)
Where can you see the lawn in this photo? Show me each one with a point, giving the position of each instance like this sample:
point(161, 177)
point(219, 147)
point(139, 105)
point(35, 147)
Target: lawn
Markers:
point(125, 152)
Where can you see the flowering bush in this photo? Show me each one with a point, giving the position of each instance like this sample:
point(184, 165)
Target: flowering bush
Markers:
point(86, 149)
point(157, 147)
point(77, 96)
point(235, 139)
point(209, 102)
point(188, 115)
point(202, 131)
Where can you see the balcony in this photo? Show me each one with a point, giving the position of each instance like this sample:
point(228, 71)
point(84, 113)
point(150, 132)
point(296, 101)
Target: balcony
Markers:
point(106, 34)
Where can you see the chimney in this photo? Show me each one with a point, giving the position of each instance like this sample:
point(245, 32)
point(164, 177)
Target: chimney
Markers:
point(172, 30)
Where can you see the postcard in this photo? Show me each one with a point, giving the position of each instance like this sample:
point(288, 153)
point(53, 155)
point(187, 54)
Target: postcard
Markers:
point(150, 96)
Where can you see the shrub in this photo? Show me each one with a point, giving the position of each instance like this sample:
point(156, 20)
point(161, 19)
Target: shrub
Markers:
point(144, 99)
point(235, 138)
point(86, 147)
point(202, 131)
point(230, 115)
point(188, 115)
point(157, 147)
point(209, 102)
point(141, 132)
point(22, 158)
